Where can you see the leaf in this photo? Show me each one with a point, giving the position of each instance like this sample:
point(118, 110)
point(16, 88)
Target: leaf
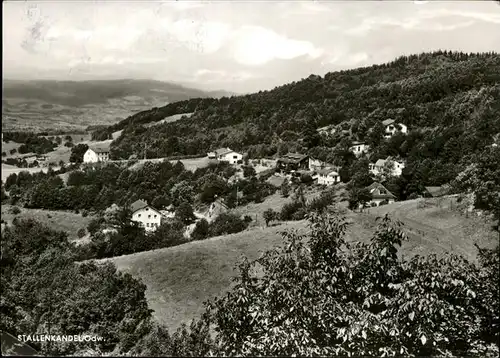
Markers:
point(411, 315)
point(423, 339)
point(363, 334)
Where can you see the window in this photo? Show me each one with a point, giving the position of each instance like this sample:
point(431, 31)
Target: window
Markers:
point(149, 216)
point(235, 157)
point(156, 216)
point(147, 224)
point(147, 209)
point(138, 215)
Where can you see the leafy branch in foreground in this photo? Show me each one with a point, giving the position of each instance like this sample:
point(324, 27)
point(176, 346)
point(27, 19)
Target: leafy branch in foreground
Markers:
point(321, 295)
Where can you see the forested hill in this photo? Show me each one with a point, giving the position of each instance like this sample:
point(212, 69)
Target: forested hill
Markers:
point(450, 102)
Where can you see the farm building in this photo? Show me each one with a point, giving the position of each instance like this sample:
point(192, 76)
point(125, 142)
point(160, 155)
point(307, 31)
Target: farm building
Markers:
point(96, 154)
point(147, 216)
point(391, 127)
point(328, 177)
point(226, 155)
point(379, 193)
point(292, 162)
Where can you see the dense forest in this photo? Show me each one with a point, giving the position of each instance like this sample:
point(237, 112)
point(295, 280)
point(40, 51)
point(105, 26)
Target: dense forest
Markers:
point(448, 100)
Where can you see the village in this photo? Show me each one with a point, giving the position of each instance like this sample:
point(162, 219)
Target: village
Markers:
point(290, 166)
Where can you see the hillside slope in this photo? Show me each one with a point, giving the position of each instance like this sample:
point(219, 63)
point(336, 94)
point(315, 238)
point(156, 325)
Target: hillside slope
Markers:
point(448, 101)
point(67, 105)
point(181, 278)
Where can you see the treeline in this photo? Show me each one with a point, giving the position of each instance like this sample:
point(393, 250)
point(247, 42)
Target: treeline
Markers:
point(160, 184)
point(31, 142)
point(445, 99)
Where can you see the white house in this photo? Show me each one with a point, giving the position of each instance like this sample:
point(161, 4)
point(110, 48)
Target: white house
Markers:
point(397, 170)
point(391, 127)
point(147, 217)
point(328, 177)
point(96, 154)
point(359, 147)
point(379, 193)
point(316, 164)
point(226, 155)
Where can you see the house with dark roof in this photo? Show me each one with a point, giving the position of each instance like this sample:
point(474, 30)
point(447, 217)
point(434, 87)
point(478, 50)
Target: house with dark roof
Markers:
point(225, 155)
point(437, 191)
point(96, 153)
point(292, 162)
point(391, 127)
point(380, 193)
point(144, 214)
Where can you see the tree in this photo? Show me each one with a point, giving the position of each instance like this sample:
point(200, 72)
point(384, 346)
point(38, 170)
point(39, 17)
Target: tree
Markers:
point(182, 192)
point(201, 230)
point(77, 153)
point(483, 180)
point(248, 171)
point(319, 294)
point(184, 213)
point(269, 215)
point(285, 188)
point(358, 197)
point(376, 135)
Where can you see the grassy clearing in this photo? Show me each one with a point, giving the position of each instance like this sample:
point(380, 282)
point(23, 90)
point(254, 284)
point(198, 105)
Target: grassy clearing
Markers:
point(9, 169)
point(180, 279)
point(57, 220)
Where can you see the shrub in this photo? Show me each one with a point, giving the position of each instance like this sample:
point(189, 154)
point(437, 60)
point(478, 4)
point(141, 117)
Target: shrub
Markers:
point(201, 230)
point(269, 215)
point(81, 232)
point(227, 223)
point(289, 209)
point(85, 213)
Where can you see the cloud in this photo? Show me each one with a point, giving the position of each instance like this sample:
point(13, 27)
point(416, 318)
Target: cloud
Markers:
point(201, 36)
point(255, 45)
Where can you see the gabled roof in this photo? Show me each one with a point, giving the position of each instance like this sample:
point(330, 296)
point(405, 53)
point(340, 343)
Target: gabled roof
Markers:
point(223, 151)
point(293, 157)
point(138, 205)
point(378, 191)
point(99, 148)
point(438, 190)
point(380, 162)
point(388, 122)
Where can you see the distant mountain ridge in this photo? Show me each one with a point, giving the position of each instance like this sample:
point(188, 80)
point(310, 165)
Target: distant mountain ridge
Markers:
point(47, 104)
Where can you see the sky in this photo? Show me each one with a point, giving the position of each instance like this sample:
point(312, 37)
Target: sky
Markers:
point(227, 45)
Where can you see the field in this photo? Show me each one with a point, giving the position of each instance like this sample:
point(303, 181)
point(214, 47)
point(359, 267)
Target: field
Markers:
point(9, 169)
point(169, 119)
point(180, 279)
point(56, 220)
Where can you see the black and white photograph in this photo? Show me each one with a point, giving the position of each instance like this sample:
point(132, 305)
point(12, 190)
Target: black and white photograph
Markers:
point(260, 178)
